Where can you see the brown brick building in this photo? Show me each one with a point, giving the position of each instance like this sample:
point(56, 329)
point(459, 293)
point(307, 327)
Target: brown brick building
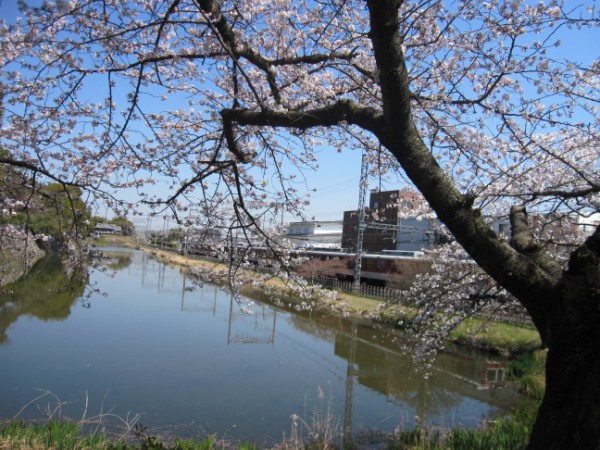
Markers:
point(384, 207)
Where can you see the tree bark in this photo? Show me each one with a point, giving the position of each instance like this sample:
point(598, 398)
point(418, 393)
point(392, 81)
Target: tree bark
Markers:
point(569, 416)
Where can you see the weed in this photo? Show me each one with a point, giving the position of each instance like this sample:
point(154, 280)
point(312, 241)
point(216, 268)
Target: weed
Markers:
point(55, 435)
point(529, 373)
point(510, 433)
point(506, 433)
point(192, 444)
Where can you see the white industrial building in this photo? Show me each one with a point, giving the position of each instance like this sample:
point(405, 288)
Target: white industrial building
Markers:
point(315, 234)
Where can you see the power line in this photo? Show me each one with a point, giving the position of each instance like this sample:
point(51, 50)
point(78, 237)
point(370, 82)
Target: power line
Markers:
point(335, 188)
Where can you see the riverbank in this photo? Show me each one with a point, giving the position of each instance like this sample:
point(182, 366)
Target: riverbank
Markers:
point(496, 337)
point(18, 253)
point(505, 433)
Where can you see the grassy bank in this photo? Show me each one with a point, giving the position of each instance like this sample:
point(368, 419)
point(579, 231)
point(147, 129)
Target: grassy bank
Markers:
point(507, 433)
point(498, 337)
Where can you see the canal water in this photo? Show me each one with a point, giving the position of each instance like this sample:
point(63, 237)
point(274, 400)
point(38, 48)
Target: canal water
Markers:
point(133, 342)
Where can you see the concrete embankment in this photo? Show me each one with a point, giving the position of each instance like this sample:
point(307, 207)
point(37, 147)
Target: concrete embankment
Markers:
point(18, 253)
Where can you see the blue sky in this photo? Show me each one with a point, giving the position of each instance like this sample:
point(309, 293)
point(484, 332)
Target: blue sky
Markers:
point(336, 181)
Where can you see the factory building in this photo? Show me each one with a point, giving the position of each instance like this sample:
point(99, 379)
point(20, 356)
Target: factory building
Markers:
point(400, 211)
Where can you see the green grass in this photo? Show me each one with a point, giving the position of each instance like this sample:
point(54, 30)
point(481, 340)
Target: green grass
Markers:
point(55, 435)
point(65, 435)
point(510, 433)
point(192, 444)
point(529, 373)
point(503, 434)
point(497, 336)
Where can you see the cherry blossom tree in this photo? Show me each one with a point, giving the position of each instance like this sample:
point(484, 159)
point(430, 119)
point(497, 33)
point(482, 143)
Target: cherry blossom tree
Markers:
point(475, 103)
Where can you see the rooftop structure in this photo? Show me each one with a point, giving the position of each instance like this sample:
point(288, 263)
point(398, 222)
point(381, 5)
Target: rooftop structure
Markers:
point(107, 228)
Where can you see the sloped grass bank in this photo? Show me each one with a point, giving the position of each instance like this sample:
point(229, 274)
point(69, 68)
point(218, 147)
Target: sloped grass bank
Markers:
point(498, 337)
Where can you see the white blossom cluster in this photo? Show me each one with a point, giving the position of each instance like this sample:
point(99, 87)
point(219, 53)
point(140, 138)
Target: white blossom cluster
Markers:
point(451, 291)
point(126, 95)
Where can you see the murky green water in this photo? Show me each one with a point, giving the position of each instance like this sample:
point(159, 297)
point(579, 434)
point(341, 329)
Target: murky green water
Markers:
point(192, 363)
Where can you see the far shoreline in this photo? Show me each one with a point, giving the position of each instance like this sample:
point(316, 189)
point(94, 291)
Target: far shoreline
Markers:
point(494, 337)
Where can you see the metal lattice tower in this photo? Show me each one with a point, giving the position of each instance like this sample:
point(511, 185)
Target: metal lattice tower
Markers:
point(362, 222)
point(362, 194)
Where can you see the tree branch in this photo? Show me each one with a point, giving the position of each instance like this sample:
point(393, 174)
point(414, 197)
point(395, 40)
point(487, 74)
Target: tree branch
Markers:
point(585, 260)
point(343, 111)
point(523, 241)
point(240, 49)
point(528, 277)
point(40, 170)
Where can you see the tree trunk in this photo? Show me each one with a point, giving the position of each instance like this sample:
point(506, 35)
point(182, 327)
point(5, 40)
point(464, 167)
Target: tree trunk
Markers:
point(569, 417)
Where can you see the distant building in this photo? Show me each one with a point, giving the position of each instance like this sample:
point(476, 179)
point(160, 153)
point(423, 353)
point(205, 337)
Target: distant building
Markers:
point(554, 227)
point(315, 234)
point(398, 209)
point(415, 234)
point(107, 228)
point(204, 234)
point(586, 225)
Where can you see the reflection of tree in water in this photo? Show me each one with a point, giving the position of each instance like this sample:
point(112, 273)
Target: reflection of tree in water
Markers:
point(120, 262)
point(47, 293)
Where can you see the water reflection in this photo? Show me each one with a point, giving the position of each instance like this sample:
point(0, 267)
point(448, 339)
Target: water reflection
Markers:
point(263, 332)
point(113, 260)
point(47, 292)
point(375, 361)
point(193, 360)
